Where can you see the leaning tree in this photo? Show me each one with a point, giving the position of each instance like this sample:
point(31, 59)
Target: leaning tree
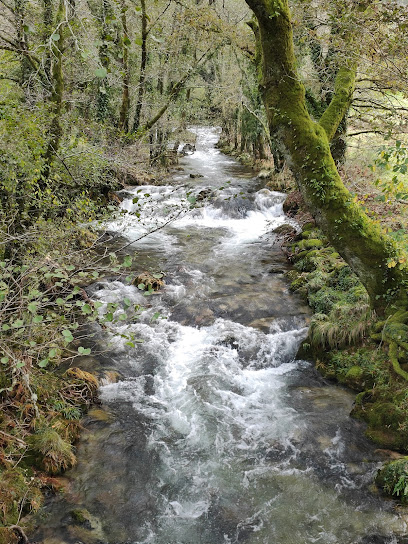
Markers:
point(372, 255)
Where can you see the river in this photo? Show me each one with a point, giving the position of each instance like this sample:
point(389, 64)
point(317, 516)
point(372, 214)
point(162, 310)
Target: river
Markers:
point(215, 433)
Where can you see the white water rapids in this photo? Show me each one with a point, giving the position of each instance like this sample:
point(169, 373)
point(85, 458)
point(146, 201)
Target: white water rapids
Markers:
point(219, 435)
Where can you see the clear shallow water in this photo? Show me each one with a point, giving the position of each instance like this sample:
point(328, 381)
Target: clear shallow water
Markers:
point(214, 432)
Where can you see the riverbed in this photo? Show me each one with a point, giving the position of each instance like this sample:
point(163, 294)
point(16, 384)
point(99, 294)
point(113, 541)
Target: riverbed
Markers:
point(215, 433)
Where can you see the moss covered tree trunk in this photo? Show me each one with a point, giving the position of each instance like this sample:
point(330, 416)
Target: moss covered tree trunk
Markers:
point(306, 143)
point(124, 110)
point(143, 64)
point(55, 130)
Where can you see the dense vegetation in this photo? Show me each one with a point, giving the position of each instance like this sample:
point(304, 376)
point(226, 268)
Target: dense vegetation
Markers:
point(96, 94)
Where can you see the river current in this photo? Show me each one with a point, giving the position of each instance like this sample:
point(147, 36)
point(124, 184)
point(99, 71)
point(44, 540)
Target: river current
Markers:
point(214, 432)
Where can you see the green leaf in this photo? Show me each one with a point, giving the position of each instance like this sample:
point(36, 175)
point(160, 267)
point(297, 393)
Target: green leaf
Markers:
point(101, 72)
point(84, 351)
point(131, 344)
point(127, 261)
point(141, 286)
point(20, 364)
point(18, 323)
point(60, 301)
point(67, 336)
point(5, 327)
point(157, 276)
point(156, 316)
point(52, 353)
point(5, 360)
point(32, 307)
point(127, 302)
point(86, 309)
point(55, 36)
point(43, 363)
point(139, 41)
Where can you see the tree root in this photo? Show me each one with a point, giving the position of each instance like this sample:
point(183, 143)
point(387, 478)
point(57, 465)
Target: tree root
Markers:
point(20, 533)
point(394, 332)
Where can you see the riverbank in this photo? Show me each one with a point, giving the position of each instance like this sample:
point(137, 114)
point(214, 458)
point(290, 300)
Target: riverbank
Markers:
point(345, 341)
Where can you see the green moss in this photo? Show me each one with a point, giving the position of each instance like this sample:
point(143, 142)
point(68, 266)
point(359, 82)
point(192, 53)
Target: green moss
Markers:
point(354, 377)
point(80, 515)
point(18, 491)
point(309, 243)
point(297, 283)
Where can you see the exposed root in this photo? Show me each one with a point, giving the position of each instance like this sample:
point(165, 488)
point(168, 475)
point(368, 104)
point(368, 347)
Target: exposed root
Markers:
point(394, 332)
point(20, 533)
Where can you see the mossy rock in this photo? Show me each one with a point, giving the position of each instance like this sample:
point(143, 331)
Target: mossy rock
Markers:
point(52, 452)
point(384, 423)
point(17, 488)
point(308, 227)
point(292, 275)
point(309, 243)
point(355, 378)
point(388, 439)
point(81, 516)
point(384, 414)
point(298, 256)
point(8, 536)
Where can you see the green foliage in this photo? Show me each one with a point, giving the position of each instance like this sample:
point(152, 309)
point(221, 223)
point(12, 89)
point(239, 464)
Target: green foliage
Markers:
point(393, 159)
point(393, 479)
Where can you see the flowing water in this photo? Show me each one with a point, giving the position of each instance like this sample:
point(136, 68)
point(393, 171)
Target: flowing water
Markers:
point(215, 432)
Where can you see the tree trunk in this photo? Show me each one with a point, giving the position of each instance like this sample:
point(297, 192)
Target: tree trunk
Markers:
point(142, 76)
point(55, 130)
point(356, 237)
point(124, 110)
point(103, 88)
